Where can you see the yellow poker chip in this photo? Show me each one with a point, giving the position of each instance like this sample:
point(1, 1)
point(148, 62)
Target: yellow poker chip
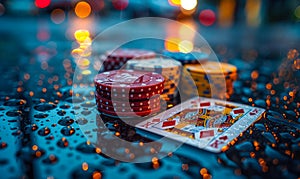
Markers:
point(211, 67)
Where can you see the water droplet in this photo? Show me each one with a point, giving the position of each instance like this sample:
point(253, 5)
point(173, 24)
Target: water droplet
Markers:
point(81, 121)
point(51, 159)
point(41, 115)
point(65, 121)
point(44, 131)
point(67, 131)
point(61, 112)
point(63, 143)
point(85, 148)
point(13, 113)
point(65, 106)
point(44, 106)
point(3, 145)
point(15, 102)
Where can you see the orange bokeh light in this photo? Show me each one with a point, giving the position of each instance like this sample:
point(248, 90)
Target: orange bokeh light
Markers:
point(174, 2)
point(83, 9)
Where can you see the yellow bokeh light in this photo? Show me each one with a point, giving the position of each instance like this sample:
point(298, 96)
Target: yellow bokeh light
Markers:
point(174, 2)
point(81, 35)
point(188, 4)
point(185, 46)
point(297, 12)
point(83, 9)
point(86, 72)
point(171, 44)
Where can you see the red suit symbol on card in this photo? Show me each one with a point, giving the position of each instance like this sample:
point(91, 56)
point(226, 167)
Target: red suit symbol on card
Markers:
point(216, 144)
point(255, 111)
point(224, 138)
point(204, 104)
point(208, 133)
point(156, 120)
point(169, 123)
point(238, 111)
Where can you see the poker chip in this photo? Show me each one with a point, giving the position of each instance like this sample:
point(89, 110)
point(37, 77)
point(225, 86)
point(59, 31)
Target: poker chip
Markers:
point(193, 57)
point(130, 53)
point(114, 60)
point(219, 76)
point(129, 81)
point(128, 91)
point(127, 109)
point(212, 67)
point(128, 114)
point(130, 97)
point(155, 100)
point(170, 69)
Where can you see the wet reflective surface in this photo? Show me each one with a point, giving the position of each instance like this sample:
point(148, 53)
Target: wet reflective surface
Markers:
point(40, 137)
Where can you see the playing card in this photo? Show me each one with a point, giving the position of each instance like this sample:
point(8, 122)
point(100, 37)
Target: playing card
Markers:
point(205, 123)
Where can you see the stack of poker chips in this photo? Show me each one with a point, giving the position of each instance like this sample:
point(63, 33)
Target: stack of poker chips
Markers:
point(128, 93)
point(169, 68)
point(193, 57)
point(114, 60)
point(212, 79)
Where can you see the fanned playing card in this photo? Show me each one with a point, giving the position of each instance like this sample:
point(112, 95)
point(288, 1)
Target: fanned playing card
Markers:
point(205, 123)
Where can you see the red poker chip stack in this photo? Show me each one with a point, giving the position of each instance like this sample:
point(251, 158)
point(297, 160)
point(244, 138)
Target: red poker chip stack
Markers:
point(114, 60)
point(128, 93)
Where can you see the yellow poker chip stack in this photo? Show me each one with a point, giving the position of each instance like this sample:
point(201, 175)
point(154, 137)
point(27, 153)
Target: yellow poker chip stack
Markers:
point(212, 79)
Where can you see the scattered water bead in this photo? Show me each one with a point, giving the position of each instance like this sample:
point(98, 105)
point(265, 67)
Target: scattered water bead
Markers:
point(245, 147)
point(66, 121)
point(65, 106)
point(81, 121)
point(67, 131)
point(51, 159)
point(269, 137)
point(87, 171)
point(44, 106)
point(61, 112)
point(63, 143)
point(3, 145)
point(85, 148)
point(260, 103)
point(272, 153)
point(74, 99)
point(260, 127)
point(41, 115)
point(15, 102)
point(44, 131)
point(13, 113)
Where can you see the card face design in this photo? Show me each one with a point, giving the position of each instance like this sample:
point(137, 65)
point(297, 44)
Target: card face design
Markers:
point(205, 123)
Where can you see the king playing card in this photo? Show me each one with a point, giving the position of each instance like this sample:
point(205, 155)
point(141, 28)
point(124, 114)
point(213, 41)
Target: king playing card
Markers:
point(204, 123)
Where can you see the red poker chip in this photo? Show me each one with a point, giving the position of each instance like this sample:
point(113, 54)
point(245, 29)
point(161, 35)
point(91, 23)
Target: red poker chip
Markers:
point(130, 97)
point(130, 53)
point(129, 81)
point(129, 114)
point(127, 109)
point(124, 103)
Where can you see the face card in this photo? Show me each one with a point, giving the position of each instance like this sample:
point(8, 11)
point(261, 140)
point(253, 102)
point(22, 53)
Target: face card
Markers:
point(205, 123)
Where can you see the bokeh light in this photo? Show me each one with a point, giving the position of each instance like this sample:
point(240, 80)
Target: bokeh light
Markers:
point(171, 44)
point(174, 2)
point(188, 4)
point(207, 17)
point(2, 9)
point(83, 9)
point(297, 12)
point(81, 35)
point(120, 4)
point(185, 46)
point(42, 3)
point(58, 16)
